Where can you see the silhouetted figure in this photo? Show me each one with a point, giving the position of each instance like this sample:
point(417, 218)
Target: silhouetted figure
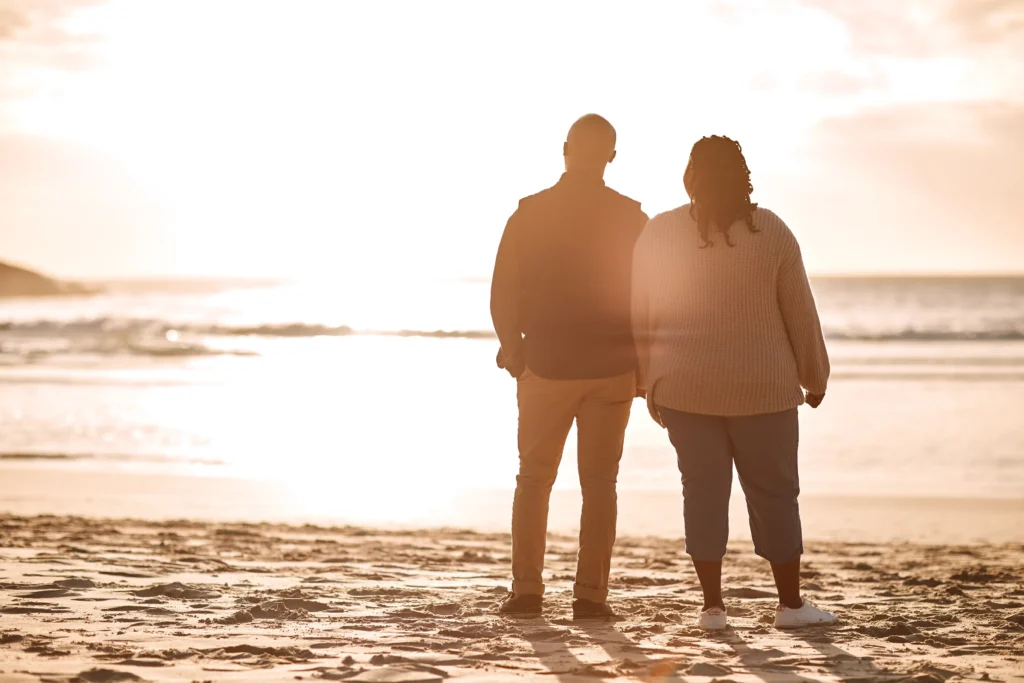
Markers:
point(727, 334)
point(560, 304)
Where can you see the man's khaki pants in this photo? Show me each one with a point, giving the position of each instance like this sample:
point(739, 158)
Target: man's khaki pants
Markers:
point(547, 409)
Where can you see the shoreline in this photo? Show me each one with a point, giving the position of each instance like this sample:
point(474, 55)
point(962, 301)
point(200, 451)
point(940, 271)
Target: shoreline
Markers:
point(851, 518)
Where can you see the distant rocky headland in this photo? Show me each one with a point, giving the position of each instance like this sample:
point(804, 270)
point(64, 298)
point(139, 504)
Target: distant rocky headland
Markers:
point(16, 281)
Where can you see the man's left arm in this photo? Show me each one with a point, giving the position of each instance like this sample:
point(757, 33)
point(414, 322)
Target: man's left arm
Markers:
point(506, 300)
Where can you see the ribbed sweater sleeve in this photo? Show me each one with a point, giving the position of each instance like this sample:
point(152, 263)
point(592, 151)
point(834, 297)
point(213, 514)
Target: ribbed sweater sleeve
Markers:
point(800, 315)
point(640, 308)
point(506, 299)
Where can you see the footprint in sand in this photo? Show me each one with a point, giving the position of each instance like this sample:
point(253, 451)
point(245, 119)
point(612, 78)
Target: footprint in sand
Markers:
point(746, 593)
point(176, 590)
point(445, 609)
point(105, 676)
point(706, 669)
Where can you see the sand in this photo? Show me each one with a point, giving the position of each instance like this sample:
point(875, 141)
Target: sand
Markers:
point(121, 600)
point(329, 500)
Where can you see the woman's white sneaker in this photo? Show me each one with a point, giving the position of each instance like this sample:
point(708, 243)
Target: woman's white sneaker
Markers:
point(807, 615)
point(712, 619)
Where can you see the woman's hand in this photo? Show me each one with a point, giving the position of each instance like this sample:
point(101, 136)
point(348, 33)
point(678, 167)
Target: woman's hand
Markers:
point(652, 408)
point(814, 400)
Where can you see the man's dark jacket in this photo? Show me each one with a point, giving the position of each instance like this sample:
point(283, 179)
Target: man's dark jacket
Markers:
point(560, 295)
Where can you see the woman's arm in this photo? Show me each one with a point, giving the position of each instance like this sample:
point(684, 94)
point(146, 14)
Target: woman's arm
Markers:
point(800, 315)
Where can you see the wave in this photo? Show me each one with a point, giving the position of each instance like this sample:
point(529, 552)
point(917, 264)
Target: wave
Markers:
point(157, 328)
point(927, 335)
point(995, 361)
point(96, 380)
point(107, 336)
point(30, 353)
point(890, 375)
point(109, 457)
point(318, 330)
point(303, 330)
point(114, 337)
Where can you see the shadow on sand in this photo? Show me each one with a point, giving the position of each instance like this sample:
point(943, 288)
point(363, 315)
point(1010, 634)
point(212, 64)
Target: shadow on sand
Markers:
point(629, 658)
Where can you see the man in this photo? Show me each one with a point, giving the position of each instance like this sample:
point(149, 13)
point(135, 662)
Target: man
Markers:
point(560, 303)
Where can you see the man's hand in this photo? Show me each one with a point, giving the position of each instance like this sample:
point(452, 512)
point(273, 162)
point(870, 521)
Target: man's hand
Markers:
point(641, 392)
point(814, 400)
point(514, 366)
point(517, 368)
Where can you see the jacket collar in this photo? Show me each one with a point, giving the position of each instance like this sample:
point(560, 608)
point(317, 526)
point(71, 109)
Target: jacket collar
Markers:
point(580, 179)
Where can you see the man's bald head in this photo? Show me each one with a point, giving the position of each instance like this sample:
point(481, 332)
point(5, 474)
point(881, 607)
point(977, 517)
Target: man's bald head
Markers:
point(590, 144)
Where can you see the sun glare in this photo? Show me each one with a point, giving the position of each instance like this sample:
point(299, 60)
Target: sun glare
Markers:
point(361, 130)
point(241, 119)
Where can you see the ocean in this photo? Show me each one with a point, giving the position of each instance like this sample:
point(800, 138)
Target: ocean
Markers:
point(381, 402)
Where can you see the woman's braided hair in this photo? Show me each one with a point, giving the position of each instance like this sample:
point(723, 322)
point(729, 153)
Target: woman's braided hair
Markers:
point(718, 182)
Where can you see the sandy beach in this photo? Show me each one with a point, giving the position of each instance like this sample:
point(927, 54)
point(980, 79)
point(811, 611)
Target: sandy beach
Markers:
point(125, 600)
point(298, 300)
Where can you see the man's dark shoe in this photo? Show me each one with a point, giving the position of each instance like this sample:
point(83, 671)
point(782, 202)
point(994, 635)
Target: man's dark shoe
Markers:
point(522, 604)
point(588, 609)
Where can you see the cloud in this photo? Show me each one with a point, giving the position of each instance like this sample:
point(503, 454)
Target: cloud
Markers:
point(988, 21)
point(943, 147)
point(11, 22)
point(928, 28)
point(33, 34)
point(27, 20)
point(839, 83)
point(65, 207)
point(920, 187)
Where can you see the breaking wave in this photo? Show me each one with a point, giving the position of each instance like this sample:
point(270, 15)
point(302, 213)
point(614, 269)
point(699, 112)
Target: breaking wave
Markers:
point(163, 339)
point(111, 457)
point(929, 335)
point(42, 339)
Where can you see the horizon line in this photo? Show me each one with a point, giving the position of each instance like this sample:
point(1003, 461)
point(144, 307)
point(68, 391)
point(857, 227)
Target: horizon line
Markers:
point(282, 279)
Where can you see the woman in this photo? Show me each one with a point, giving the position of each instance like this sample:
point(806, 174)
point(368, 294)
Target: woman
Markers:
point(729, 338)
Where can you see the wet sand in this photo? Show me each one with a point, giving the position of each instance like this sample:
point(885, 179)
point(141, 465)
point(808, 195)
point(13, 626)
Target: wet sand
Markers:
point(328, 500)
point(84, 599)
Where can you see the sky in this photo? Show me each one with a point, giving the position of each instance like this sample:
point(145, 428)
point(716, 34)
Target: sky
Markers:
point(385, 138)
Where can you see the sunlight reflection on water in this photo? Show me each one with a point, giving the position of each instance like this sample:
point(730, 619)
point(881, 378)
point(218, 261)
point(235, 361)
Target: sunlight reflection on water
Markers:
point(360, 420)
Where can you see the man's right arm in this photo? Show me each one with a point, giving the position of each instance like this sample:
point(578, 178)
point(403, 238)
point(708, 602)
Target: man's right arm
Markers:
point(639, 313)
point(506, 300)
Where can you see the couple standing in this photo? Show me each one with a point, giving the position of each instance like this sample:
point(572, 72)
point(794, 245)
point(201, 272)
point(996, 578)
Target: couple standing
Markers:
point(706, 311)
